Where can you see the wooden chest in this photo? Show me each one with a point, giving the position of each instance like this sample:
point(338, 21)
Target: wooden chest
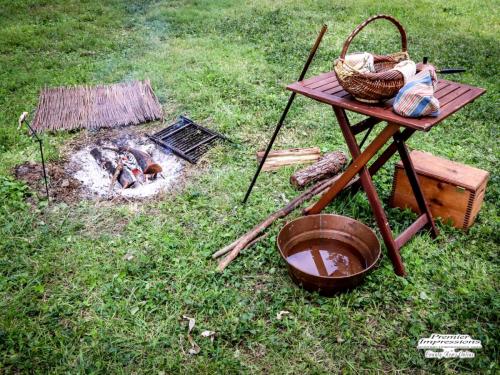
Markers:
point(454, 191)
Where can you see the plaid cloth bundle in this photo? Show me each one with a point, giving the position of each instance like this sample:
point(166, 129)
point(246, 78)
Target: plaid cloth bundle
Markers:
point(416, 98)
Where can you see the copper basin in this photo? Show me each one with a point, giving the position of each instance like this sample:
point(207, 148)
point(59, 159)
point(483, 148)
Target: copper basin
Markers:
point(328, 253)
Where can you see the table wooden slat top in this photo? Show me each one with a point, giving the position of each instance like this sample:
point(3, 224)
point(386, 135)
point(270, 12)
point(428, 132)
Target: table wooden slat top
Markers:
point(326, 89)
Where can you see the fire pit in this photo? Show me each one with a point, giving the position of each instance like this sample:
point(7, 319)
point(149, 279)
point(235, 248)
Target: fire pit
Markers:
point(130, 167)
point(88, 162)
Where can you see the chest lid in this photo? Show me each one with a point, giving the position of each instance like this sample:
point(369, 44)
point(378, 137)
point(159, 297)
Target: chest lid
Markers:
point(447, 171)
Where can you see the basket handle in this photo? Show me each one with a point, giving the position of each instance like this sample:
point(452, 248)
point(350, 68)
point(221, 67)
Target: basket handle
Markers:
point(362, 25)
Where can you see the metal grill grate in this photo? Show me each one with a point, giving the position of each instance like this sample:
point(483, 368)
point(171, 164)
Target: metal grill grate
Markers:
point(187, 139)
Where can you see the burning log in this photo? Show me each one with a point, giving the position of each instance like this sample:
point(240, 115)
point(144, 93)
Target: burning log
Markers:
point(125, 178)
point(329, 165)
point(118, 170)
point(145, 161)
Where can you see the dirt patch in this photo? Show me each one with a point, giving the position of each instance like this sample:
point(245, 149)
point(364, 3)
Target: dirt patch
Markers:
point(62, 186)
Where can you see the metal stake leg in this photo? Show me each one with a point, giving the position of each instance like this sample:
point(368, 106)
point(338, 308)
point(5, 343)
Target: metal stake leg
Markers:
point(285, 112)
point(22, 119)
point(43, 167)
point(269, 146)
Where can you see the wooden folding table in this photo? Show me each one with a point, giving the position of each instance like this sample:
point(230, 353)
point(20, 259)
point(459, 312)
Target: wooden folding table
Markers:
point(326, 89)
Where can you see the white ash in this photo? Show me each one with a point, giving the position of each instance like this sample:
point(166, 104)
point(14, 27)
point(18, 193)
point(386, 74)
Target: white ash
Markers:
point(96, 181)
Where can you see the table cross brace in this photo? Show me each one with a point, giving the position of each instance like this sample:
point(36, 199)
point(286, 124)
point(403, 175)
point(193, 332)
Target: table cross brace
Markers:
point(359, 166)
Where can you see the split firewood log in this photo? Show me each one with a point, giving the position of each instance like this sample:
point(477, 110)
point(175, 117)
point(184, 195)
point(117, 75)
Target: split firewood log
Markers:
point(328, 166)
point(280, 158)
point(125, 178)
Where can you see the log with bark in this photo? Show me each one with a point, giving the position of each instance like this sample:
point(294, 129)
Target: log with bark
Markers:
point(125, 178)
point(280, 158)
point(252, 236)
point(329, 165)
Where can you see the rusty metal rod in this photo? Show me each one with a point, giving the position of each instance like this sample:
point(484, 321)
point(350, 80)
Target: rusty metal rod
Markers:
point(43, 167)
point(285, 112)
point(22, 119)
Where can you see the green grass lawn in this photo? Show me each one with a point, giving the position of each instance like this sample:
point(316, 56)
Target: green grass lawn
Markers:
point(71, 303)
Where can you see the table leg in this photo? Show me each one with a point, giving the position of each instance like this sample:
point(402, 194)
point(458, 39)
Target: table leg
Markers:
point(415, 184)
point(359, 165)
point(371, 192)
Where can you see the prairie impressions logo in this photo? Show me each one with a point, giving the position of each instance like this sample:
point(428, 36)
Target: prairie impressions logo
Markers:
point(447, 345)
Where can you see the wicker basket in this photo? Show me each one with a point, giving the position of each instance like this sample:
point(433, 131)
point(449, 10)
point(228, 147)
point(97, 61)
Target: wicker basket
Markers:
point(373, 87)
